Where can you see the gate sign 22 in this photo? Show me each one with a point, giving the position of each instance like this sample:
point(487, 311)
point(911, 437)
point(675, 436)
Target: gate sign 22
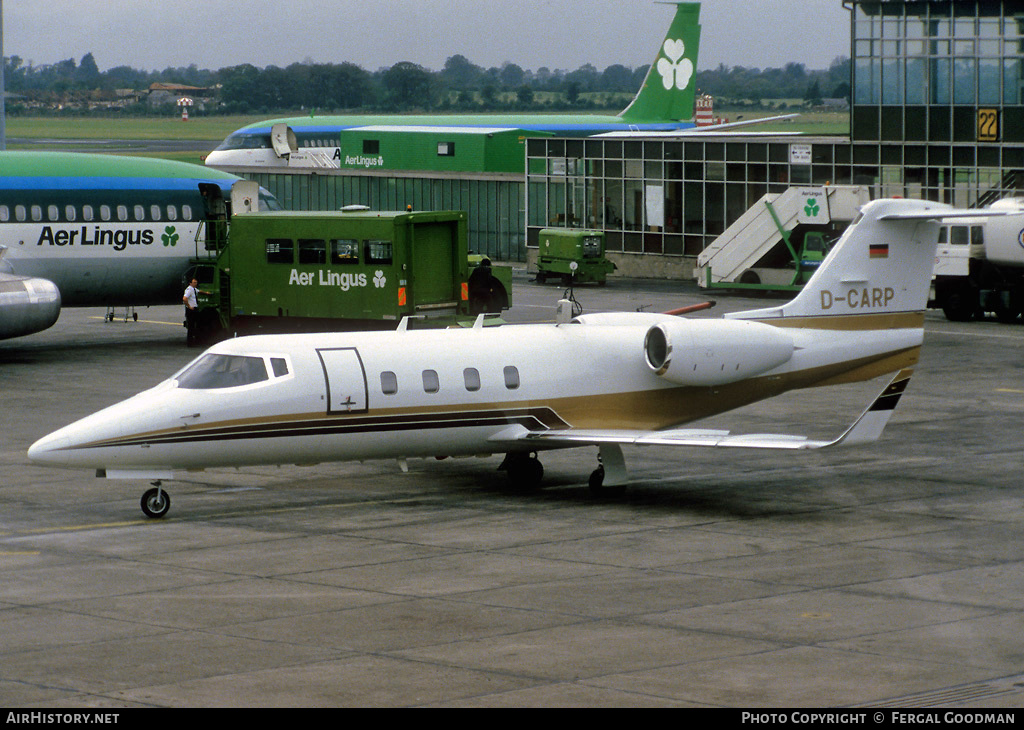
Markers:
point(988, 125)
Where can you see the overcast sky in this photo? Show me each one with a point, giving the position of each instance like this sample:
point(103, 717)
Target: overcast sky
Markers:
point(558, 34)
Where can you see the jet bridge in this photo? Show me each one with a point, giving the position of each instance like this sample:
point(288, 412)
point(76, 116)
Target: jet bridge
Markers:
point(748, 254)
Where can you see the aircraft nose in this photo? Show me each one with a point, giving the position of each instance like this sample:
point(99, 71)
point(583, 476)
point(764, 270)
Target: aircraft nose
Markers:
point(50, 450)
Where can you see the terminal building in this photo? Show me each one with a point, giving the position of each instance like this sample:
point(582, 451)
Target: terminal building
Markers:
point(936, 113)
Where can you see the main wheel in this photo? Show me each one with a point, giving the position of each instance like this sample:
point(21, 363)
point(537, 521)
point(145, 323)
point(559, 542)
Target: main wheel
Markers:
point(596, 484)
point(525, 472)
point(155, 502)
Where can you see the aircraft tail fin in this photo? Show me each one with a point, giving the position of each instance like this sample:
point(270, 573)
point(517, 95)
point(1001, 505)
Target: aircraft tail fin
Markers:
point(882, 265)
point(667, 93)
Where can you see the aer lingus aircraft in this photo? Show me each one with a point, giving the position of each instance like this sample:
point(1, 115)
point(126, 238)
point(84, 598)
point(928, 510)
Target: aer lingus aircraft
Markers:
point(664, 103)
point(516, 389)
point(84, 230)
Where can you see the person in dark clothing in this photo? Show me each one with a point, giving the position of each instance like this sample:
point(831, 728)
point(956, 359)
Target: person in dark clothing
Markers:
point(481, 289)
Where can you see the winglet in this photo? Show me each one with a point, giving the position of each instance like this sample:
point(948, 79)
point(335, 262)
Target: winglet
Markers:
point(872, 422)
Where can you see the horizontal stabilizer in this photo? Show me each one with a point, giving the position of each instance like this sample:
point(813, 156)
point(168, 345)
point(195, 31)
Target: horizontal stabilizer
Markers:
point(865, 429)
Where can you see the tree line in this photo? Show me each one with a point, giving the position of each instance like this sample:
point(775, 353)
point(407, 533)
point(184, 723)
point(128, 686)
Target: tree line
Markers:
point(459, 86)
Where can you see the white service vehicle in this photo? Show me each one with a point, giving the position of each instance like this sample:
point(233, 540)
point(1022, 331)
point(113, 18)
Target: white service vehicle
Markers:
point(979, 265)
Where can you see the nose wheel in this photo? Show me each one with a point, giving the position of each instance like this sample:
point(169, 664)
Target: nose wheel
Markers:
point(155, 502)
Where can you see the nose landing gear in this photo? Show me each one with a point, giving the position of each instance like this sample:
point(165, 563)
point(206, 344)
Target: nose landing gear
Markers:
point(155, 501)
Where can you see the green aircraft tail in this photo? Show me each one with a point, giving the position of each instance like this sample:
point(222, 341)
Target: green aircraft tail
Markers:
point(668, 91)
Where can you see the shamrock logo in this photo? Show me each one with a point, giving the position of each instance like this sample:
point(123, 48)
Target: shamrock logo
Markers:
point(378, 279)
point(169, 237)
point(811, 208)
point(674, 69)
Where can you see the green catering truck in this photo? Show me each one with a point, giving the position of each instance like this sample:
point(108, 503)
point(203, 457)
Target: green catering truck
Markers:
point(299, 271)
point(572, 255)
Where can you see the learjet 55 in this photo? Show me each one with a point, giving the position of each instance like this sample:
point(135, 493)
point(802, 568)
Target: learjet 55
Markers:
point(607, 379)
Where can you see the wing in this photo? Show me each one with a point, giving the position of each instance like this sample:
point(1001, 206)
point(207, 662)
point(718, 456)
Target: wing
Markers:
point(867, 428)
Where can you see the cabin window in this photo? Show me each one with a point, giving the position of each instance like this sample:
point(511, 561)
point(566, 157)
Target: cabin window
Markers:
point(105, 212)
point(19, 212)
point(344, 251)
point(371, 146)
point(5, 214)
point(378, 252)
point(70, 213)
point(312, 251)
point(37, 213)
point(960, 235)
point(472, 378)
point(431, 384)
point(511, 377)
point(140, 212)
point(172, 213)
point(280, 251)
point(388, 383)
point(280, 366)
point(186, 212)
point(122, 212)
point(154, 212)
point(212, 371)
point(52, 213)
point(87, 213)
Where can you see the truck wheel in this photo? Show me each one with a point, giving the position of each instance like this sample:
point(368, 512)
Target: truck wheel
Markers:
point(960, 304)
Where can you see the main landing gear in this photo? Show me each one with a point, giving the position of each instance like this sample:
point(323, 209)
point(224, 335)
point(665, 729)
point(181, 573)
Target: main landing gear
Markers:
point(609, 478)
point(155, 501)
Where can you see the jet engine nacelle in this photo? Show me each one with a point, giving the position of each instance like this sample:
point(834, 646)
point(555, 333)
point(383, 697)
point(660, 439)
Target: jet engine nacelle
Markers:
point(714, 352)
point(27, 305)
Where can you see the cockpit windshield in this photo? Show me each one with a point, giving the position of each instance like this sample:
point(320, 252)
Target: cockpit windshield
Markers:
point(223, 371)
point(268, 201)
point(245, 141)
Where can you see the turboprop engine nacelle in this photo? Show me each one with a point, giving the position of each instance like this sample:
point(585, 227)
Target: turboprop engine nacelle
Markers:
point(714, 352)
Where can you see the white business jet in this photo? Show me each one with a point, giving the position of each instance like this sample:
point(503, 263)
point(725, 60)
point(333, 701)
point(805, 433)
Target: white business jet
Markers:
point(517, 389)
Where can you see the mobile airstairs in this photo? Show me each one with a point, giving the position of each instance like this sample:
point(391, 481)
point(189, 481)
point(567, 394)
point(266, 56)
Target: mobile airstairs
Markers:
point(739, 258)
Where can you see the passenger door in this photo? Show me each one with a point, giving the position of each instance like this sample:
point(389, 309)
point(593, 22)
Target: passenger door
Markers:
point(345, 380)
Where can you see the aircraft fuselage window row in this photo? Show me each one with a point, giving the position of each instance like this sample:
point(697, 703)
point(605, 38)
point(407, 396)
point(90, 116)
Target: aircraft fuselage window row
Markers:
point(432, 382)
point(319, 142)
point(88, 213)
point(337, 251)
